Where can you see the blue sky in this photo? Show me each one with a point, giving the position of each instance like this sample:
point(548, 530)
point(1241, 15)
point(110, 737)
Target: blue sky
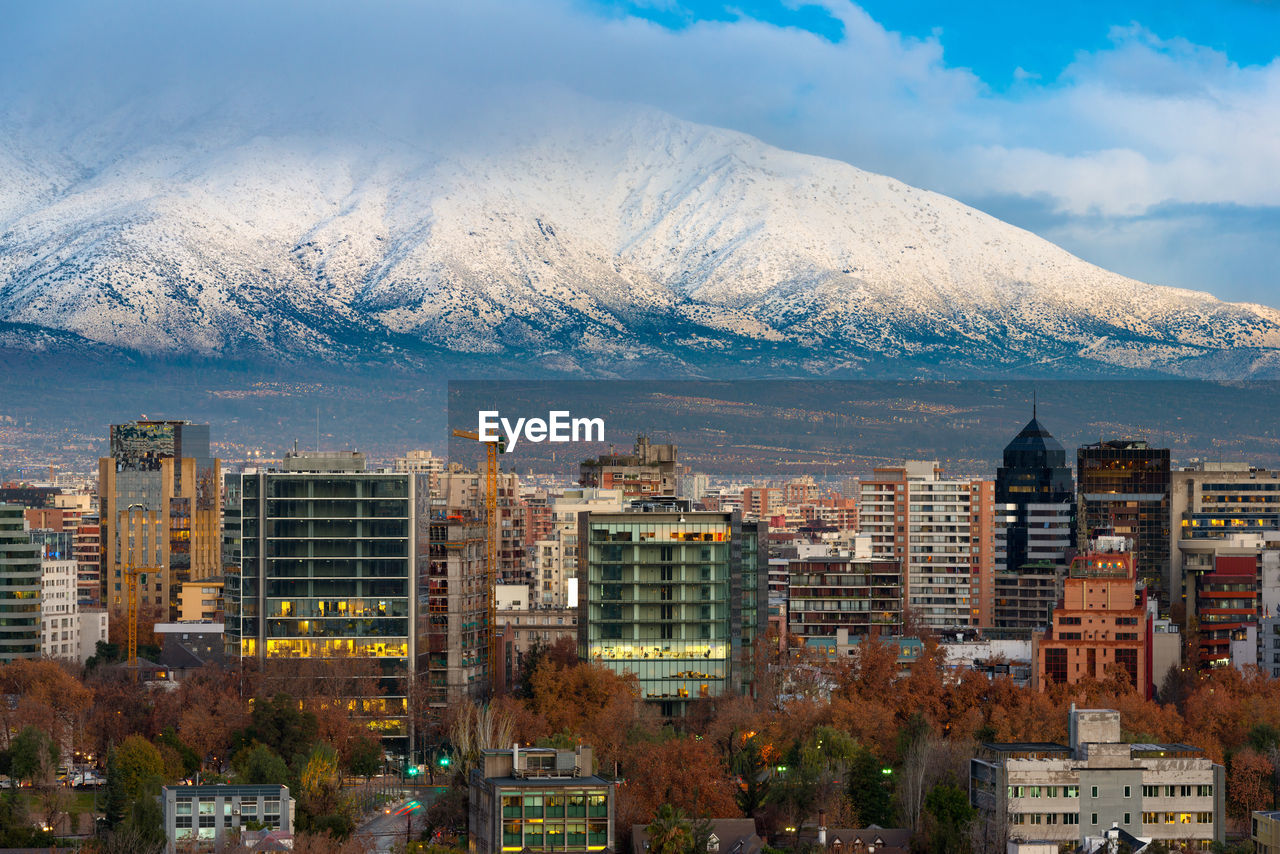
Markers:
point(1144, 137)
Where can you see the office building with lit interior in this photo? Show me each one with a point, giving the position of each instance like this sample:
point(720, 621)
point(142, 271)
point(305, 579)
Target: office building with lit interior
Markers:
point(675, 598)
point(327, 573)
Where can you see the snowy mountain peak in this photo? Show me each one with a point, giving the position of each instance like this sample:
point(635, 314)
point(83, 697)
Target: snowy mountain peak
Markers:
point(630, 239)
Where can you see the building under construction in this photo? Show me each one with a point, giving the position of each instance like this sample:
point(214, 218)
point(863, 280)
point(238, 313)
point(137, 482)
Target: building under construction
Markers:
point(453, 614)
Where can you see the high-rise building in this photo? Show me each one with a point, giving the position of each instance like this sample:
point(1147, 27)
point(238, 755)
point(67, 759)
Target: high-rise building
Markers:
point(159, 510)
point(20, 573)
point(650, 470)
point(1218, 510)
point(1124, 491)
point(462, 494)
point(86, 547)
point(1036, 480)
point(945, 534)
point(676, 598)
point(59, 611)
point(328, 574)
point(1102, 622)
point(555, 559)
point(453, 610)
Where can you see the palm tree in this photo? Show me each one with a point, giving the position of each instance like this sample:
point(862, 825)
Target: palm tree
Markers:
point(670, 832)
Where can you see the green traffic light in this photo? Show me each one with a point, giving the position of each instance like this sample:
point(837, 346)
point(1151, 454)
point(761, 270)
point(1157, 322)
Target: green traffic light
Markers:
point(886, 770)
point(444, 761)
point(412, 771)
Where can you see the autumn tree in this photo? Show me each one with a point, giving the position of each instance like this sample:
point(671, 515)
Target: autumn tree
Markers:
point(1249, 782)
point(680, 771)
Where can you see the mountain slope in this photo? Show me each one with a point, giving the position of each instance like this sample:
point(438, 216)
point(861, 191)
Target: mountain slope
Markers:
point(626, 244)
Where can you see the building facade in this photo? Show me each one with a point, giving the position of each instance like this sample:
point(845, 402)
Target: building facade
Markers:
point(1053, 794)
point(20, 572)
point(829, 593)
point(650, 470)
point(206, 816)
point(945, 532)
point(328, 574)
point(1123, 490)
point(159, 512)
point(453, 610)
point(539, 799)
point(1037, 482)
point(676, 598)
point(1101, 623)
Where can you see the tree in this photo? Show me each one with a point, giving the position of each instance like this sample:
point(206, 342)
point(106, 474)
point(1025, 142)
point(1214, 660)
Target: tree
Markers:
point(683, 772)
point(1249, 782)
point(948, 815)
point(364, 756)
point(869, 790)
point(33, 756)
point(321, 798)
point(670, 832)
point(135, 772)
point(281, 724)
point(257, 764)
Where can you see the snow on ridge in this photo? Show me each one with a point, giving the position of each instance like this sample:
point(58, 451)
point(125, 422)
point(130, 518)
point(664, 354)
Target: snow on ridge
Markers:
point(637, 234)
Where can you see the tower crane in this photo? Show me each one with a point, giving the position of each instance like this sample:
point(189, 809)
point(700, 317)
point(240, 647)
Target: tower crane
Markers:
point(132, 571)
point(492, 531)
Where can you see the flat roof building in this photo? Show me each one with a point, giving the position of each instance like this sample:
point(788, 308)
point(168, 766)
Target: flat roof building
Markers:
point(539, 799)
point(1047, 793)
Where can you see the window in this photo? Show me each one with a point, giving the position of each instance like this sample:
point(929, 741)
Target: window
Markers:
point(1126, 794)
point(1071, 791)
point(511, 806)
point(1034, 791)
point(1071, 818)
point(1126, 819)
point(1035, 818)
point(1150, 791)
point(1151, 818)
point(511, 834)
point(1186, 791)
point(1051, 791)
point(1205, 791)
point(1204, 818)
point(1093, 818)
point(1093, 793)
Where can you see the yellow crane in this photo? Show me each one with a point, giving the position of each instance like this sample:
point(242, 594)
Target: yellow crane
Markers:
point(491, 540)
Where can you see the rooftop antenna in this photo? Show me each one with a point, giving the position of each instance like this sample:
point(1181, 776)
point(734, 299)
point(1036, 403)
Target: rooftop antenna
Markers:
point(317, 429)
point(1033, 404)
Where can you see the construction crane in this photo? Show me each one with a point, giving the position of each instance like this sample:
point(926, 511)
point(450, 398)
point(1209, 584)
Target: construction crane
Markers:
point(492, 449)
point(132, 571)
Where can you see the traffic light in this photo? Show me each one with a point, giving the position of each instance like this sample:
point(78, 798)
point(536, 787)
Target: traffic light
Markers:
point(411, 771)
point(445, 760)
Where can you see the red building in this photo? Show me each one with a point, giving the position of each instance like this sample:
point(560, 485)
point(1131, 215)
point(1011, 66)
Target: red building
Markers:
point(1101, 622)
point(1226, 605)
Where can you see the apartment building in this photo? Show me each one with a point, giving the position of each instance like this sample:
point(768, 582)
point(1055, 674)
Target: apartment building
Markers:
point(826, 594)
point(945, 534)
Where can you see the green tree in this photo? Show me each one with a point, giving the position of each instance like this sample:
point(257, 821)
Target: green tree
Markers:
point(947, 817)
point(258, 764)
point(281, 724)
point(869, 789)
point(32, 756)
point(670, 832)
point(135, 772)
point(365, 756)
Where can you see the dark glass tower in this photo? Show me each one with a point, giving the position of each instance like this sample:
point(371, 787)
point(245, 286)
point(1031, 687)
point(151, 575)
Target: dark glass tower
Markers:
point(1036, 479)
point(1124, 490)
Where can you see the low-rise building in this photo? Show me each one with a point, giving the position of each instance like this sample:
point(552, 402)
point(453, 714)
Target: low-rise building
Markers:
point(206, 814)
point(539, 799)
point(1265, 832)
point(1056, 793)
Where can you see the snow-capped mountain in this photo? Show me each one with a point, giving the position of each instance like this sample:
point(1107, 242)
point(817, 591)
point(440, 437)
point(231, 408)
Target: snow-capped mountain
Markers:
point(631, 242)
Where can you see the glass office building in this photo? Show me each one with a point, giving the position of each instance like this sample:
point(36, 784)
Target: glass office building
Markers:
point(19, 587)
point(327, 574)
point(669, 597)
